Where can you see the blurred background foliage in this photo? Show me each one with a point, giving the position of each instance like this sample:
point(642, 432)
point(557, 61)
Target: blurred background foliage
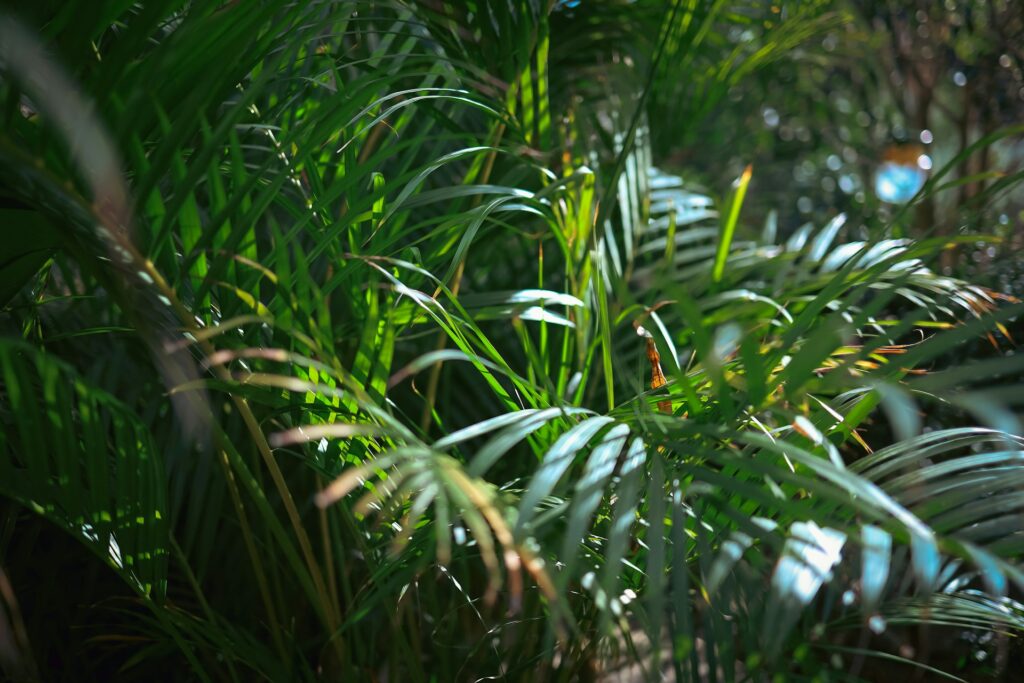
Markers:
point(518, 340)
point(934, 77)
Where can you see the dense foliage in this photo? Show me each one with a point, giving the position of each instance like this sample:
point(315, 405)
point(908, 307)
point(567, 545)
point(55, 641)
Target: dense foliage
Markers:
point(367, 341)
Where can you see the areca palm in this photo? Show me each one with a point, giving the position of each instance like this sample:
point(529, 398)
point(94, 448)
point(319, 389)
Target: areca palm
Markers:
point(328, 347)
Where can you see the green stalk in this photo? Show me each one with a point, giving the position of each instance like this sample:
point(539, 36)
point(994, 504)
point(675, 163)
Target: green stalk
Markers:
point(729, 226)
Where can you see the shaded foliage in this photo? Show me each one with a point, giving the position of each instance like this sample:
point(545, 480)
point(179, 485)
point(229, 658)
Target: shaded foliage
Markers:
point(369, 340)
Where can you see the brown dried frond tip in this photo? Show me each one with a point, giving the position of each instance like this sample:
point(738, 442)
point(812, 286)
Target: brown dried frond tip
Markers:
point(657, 376)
